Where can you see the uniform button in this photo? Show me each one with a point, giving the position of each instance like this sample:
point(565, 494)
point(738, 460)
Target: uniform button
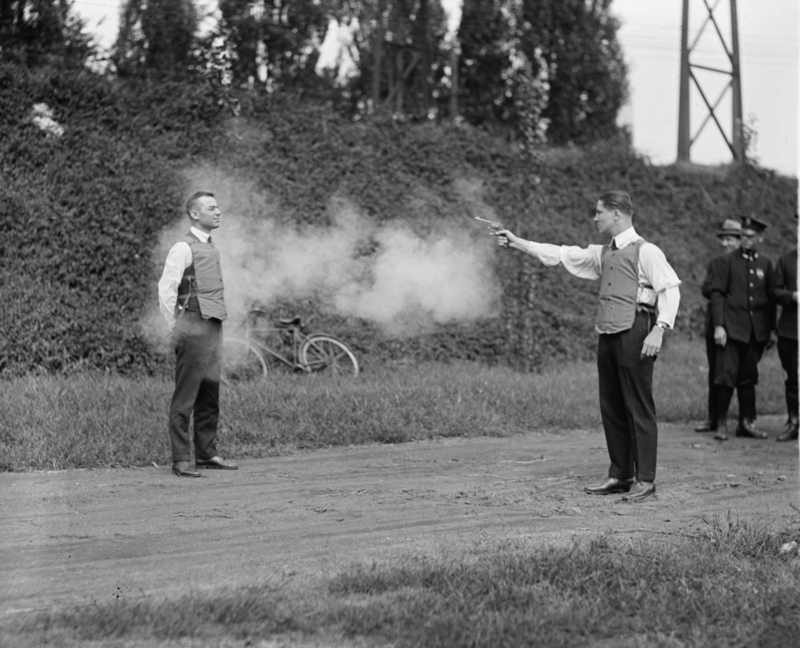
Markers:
point(751, 285)
point(752, 271)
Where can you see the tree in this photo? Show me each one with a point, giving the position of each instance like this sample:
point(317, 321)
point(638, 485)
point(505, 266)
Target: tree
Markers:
point(398, 48)
point(570, 43)
point(484, 61)
point(588, 86)
point(155, 37)
point(43, 31)
point(276, 38)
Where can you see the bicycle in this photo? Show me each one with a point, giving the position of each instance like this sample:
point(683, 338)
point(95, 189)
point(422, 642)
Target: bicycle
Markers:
point(249, 358)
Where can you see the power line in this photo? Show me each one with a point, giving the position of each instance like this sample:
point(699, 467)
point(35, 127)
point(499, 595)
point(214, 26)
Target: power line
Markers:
point(758, 45)
point(786, 61)
point(752, 52)
point(96, 3)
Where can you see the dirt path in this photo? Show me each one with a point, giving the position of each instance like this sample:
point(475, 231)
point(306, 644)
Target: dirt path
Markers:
point(79, 537)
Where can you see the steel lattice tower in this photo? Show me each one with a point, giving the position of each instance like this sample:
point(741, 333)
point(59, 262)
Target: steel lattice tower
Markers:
point(685, 139)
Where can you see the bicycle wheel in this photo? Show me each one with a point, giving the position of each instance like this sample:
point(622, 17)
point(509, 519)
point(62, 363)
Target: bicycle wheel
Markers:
point(241, 362)
point(325, 353)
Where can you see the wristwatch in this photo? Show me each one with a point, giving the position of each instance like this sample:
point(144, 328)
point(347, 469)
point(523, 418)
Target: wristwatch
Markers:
point(661, 325)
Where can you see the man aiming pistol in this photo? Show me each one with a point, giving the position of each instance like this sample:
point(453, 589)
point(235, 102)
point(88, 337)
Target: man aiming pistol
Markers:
point(639, 299)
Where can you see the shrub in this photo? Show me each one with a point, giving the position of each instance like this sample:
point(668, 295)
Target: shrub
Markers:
point(82, 213)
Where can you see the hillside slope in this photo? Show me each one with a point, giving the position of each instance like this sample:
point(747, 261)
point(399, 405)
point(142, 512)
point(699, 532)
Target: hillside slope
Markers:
point(365, 227)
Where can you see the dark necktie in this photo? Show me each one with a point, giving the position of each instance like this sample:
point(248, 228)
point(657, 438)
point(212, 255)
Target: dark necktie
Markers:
point(614, 245)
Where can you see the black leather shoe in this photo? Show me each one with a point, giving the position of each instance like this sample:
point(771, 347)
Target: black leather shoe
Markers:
point(640, 491)
point(182, 469)
point(748, 430)
point(609, 486)
point(708, 426)
point(216, 462)
point(790, 431)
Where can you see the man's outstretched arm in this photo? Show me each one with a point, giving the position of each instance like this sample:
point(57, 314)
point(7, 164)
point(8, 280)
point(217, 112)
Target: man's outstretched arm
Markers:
point(582, 262)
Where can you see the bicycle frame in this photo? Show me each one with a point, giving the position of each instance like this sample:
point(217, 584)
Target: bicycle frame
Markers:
point(297, 339)
point(249, 356)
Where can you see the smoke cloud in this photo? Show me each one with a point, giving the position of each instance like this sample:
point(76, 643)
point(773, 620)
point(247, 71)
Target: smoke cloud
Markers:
point(390, 275)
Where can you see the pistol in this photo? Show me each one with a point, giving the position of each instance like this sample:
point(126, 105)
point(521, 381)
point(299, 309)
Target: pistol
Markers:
point(493, 225)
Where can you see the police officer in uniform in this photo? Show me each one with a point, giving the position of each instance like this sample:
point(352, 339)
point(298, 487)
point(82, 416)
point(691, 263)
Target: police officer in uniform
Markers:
point(785, 294)
point(639, 300)
point(191, 298)
point(743, 316)
point(730, 238)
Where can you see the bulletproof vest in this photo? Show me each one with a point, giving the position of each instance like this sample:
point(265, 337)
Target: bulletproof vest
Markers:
point(619, 287)
point(201, 288)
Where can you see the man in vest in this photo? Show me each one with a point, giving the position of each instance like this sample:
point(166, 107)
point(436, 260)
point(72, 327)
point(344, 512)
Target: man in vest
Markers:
point(743, 316)
point(730, 238)
point(191, 298)
point(639, 299)
point(784, 293)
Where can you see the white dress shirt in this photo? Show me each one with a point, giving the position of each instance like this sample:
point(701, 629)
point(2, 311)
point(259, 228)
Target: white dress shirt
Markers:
point(178, 259)
point(654, 270)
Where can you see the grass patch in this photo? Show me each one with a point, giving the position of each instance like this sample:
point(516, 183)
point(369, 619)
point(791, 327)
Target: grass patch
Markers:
point(729, 585)
point(90, 421)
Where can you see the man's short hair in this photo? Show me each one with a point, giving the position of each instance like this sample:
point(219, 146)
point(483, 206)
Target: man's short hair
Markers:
point(192, 202)
point(619, 200)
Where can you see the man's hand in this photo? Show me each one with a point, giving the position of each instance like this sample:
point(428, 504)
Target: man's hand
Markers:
point(720, 336)
point(652, 343)
point(505, 238)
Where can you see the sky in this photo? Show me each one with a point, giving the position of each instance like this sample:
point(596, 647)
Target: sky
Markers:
point(769, 33)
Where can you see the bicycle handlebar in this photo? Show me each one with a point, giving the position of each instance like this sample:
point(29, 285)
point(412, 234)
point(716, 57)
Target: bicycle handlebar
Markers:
point(294, 322)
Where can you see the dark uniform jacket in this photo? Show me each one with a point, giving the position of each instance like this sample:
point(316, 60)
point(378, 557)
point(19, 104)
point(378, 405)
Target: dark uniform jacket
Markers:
point(785, 285)
point(740, 299)
point(713, 270)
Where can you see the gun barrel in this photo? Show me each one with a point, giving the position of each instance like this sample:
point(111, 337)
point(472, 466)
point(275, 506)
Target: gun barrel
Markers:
point(493, 224)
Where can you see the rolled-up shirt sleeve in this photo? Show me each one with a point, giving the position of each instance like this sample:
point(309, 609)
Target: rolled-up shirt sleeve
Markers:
point(178, 259)
point(582, 262)
point(664, 280)
point(667, 306)
point(657, 269)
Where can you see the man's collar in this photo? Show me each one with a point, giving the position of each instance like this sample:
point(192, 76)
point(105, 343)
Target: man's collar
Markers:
point(203, 236)
point(625, 238)
point(752, 255)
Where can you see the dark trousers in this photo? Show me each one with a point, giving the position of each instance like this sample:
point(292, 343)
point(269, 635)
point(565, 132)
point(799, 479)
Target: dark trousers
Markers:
point(198, 353)
point(737, 363)
point(713, 390)
point(626, 401)
point(787, 352)
point(737, 367)
point(711, 356)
